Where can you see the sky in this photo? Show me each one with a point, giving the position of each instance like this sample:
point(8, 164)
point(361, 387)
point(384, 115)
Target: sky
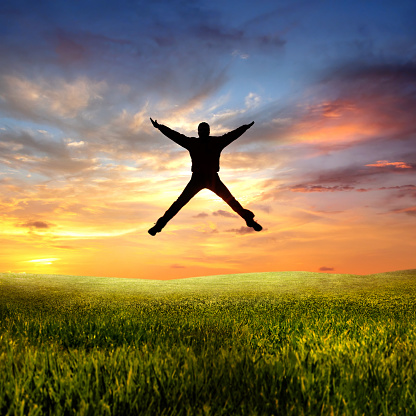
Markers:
point(328, 167)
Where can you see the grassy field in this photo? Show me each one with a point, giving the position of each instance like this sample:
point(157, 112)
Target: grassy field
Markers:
point(287, 343)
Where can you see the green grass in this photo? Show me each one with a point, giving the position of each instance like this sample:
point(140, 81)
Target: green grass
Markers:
point(289, 343)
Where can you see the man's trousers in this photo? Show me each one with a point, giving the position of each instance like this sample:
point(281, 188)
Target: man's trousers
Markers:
point(201, 181)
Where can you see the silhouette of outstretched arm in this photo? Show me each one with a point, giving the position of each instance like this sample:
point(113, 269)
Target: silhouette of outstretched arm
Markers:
point(235, 134)
point(178, 138)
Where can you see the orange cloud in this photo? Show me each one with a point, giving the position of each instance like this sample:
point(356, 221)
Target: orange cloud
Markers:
point(384, 163)
point(335, 122)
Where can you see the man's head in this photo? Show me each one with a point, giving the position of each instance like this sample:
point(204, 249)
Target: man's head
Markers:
point(203, 130)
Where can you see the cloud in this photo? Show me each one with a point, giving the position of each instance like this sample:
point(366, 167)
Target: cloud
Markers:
point(409, 211)
point(264, 208)
point(222, 213)
point(240, 54)
point(326, 269)
point(320, 188)
point(68, 48)
point(241, 231)
point(76, 144)
point(66, 247)
point(350, 105)
point(378, 93)
point(345, 178)
point(401, 191)
point(43, 261)
point(30, 143)
point(37, 225)
point(252, 100)
point(238, 39)
point(401, 187)
point(384, 163)
point(249, 160)
point(88, 88)
point(47, 99)
point(36, 152)
point(183, 56)
point(200, 215)
point(177, 266)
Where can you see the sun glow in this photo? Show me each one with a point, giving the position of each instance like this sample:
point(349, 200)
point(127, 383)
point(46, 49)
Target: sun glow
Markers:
point(43, 262)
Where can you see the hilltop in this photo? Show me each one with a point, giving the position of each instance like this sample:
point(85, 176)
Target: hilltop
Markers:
point(270, 283)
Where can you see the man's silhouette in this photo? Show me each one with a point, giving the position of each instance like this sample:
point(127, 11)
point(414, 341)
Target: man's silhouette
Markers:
point(205, 152)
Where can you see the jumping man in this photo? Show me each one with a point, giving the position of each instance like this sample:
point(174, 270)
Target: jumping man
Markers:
point(205, 152)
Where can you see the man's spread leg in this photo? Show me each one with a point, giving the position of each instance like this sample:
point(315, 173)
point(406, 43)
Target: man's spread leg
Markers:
point(249, 217)
point(222, 191)
point(193, 187)
point(157, 228)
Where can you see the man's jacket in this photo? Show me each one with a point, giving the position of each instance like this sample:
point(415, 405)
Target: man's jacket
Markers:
point(205, 152)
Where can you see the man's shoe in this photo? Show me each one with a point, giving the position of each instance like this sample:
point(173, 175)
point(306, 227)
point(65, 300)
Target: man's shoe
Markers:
point(254, 224)
point(249, 217)
point(160, 223)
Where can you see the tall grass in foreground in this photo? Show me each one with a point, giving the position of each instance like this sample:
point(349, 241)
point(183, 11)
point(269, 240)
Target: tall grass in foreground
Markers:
point(178, 354)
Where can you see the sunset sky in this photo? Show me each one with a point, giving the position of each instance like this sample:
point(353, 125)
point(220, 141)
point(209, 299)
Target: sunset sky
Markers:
point(328, 167)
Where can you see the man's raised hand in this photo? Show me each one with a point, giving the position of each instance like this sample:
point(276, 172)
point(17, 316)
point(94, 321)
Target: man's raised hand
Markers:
point(249, 125)
point(156, 124)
